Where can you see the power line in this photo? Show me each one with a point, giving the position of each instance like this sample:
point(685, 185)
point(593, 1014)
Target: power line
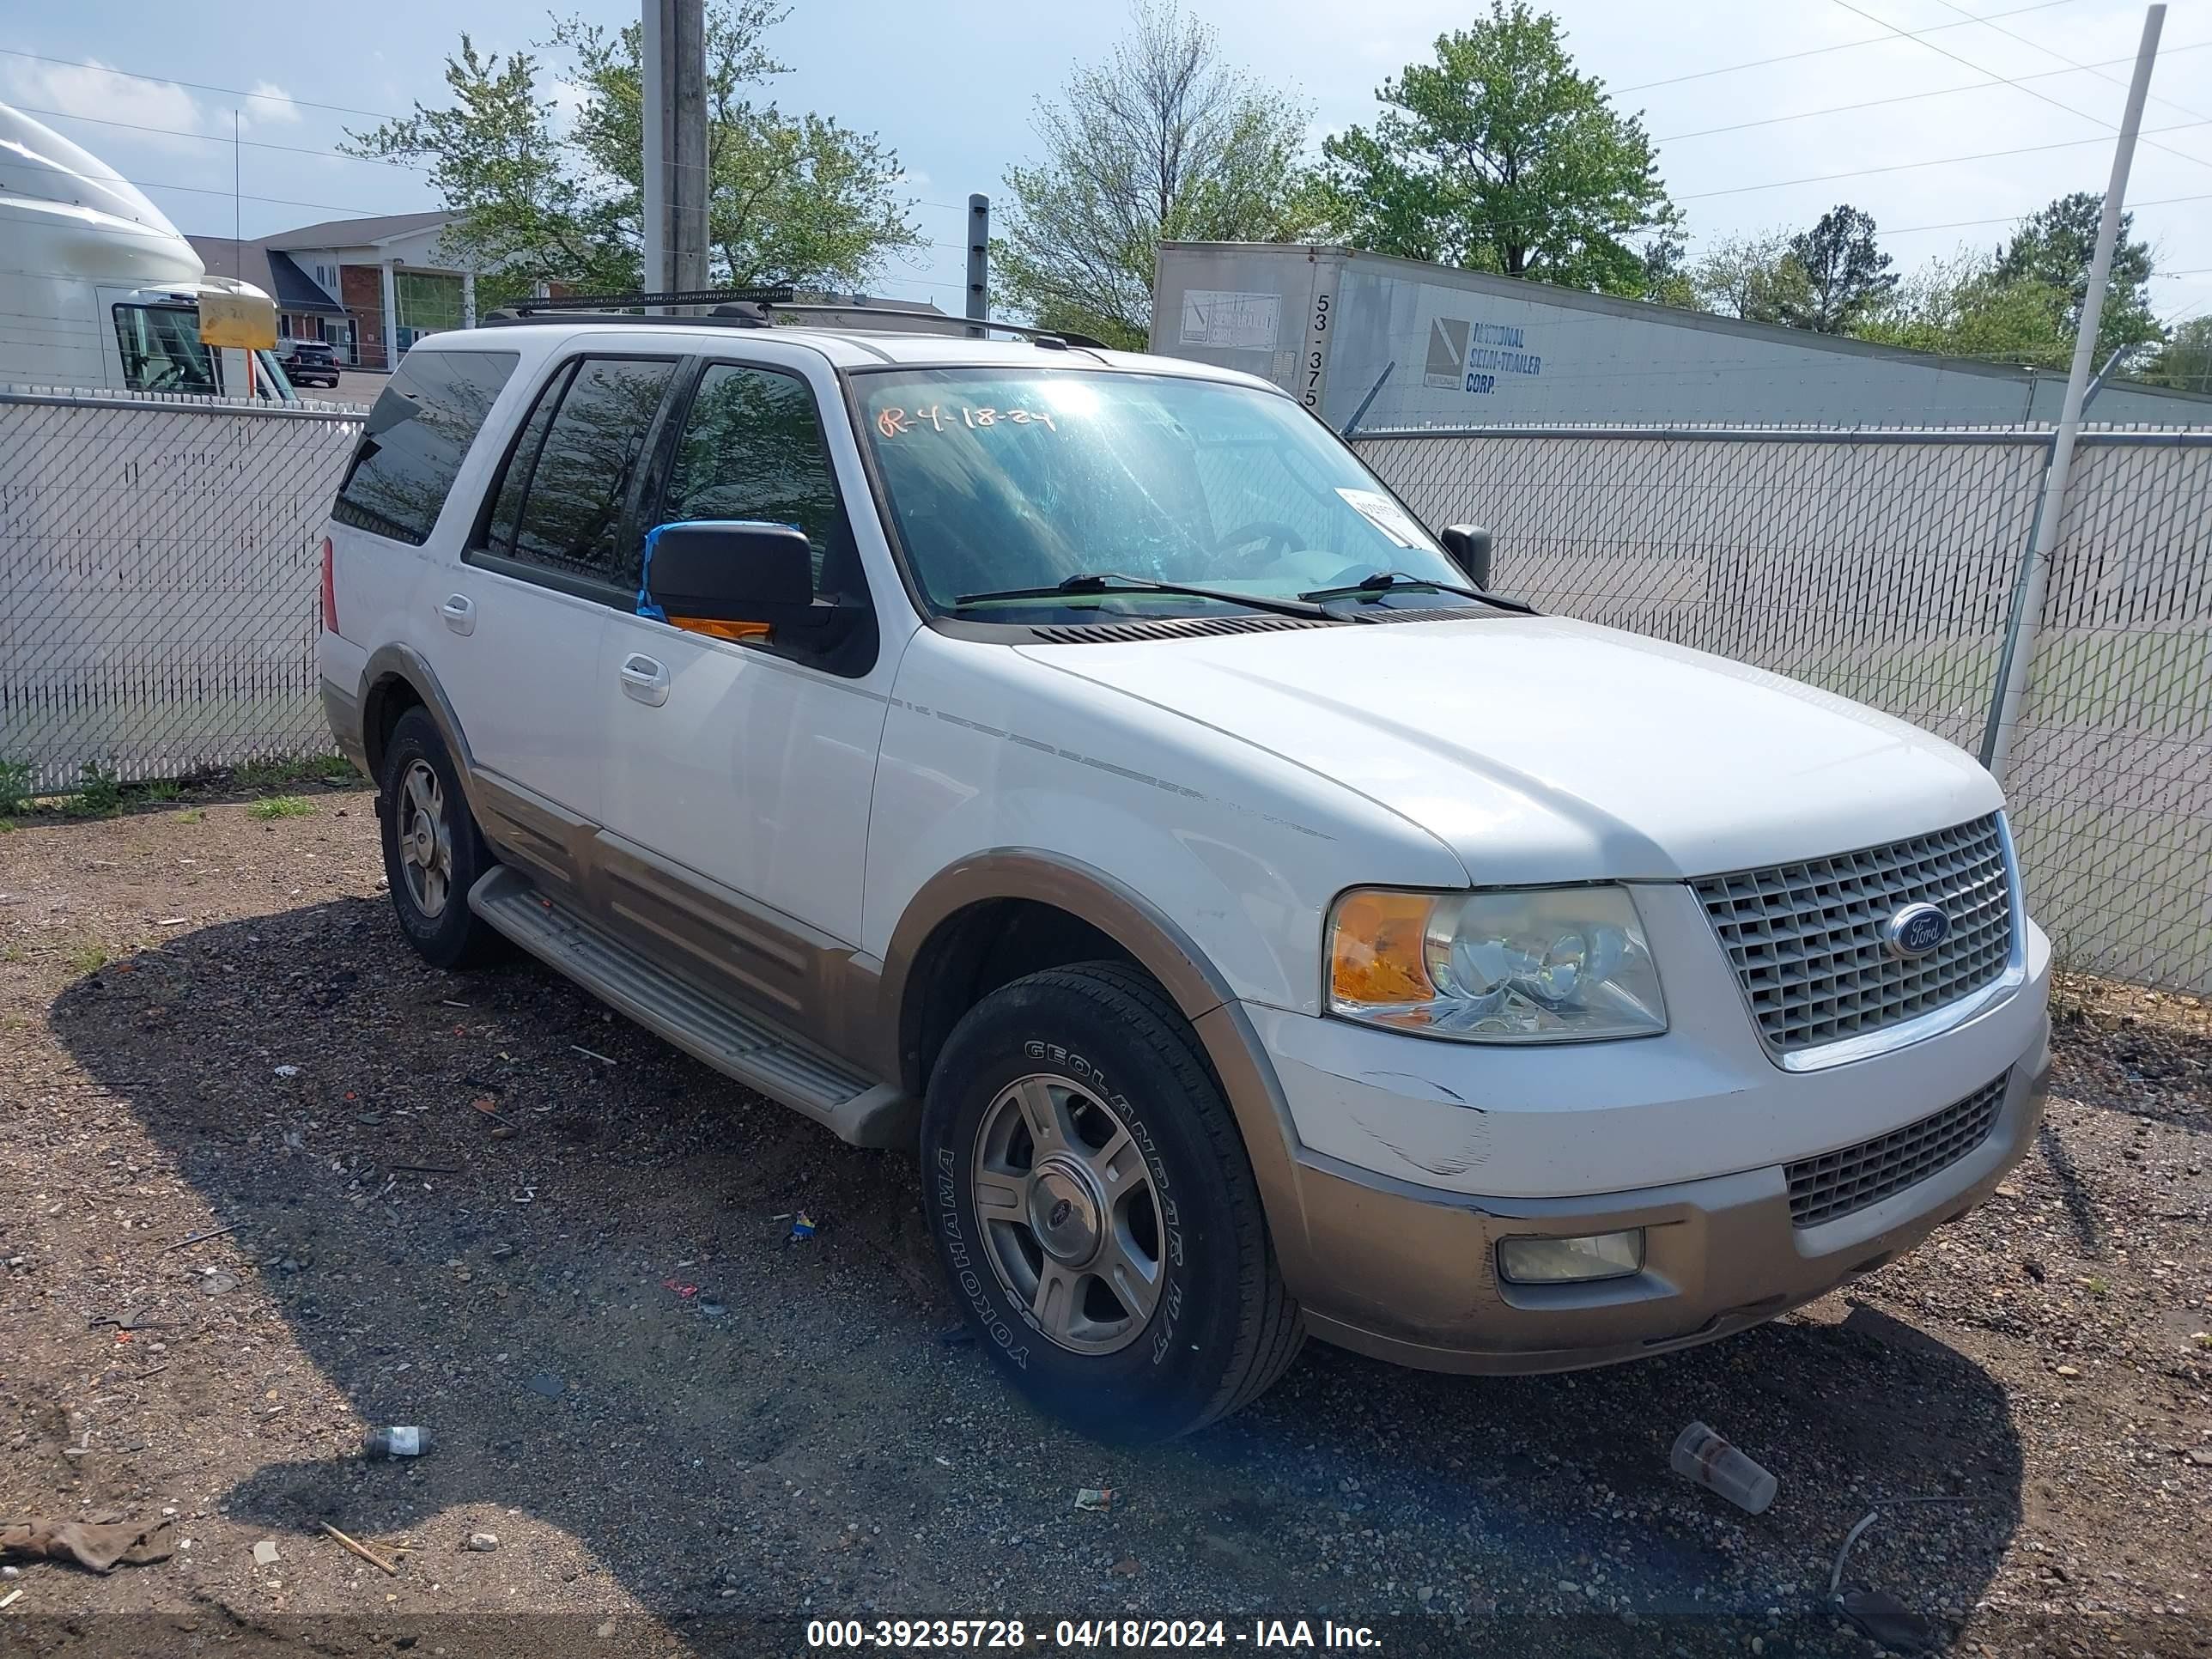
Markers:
point(2097, 70)
point(2015, 218)
point(1815, 52)
point(216, 138)
point(1933, 161)
point(1904, 98)
point(280, 201)
point(2045, 97)
point(234, 92)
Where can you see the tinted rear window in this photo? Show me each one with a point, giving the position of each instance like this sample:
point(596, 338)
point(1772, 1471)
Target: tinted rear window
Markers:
point(425, 419)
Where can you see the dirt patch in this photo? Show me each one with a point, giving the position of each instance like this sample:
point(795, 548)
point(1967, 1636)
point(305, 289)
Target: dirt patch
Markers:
point(438, 1204)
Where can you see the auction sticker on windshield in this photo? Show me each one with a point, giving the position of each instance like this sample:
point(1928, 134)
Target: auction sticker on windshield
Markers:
point(1386, 515)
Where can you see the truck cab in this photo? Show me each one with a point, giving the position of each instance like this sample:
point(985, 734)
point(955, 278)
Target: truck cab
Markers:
point(98, 289)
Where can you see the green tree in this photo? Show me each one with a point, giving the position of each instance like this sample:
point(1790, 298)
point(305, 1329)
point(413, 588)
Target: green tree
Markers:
point(548, 197)
point(1845, 274)
point(2054, 247)
point(2185, 364)
point(1502, 156)
point(1163, 142)
point(1758, 278)
point(1962, 306)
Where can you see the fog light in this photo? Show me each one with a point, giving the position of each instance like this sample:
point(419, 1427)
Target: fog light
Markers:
point(1556, 1260)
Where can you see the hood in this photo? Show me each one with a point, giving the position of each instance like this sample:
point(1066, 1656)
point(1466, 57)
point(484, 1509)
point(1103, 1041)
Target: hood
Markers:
point(1542, 749)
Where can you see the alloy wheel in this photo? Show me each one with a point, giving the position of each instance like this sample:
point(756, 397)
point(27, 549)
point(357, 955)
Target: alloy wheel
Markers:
point(1069, 1214)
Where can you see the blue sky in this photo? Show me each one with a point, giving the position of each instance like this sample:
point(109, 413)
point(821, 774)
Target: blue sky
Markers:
point(951, 84)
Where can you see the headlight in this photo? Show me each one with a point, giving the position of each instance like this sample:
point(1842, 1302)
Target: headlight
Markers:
point(1548, 965)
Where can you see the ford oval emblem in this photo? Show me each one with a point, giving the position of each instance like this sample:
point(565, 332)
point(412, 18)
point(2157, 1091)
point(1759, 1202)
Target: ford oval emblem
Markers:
point(1915, 931)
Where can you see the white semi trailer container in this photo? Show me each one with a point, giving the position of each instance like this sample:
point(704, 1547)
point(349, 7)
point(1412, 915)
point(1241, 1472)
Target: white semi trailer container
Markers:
point(1401, 343)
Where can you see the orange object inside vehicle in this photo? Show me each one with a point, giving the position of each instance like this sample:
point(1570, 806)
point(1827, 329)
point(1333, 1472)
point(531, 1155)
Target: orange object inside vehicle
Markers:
point(720, 631)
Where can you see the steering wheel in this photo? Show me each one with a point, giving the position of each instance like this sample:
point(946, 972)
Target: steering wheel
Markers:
point(1275, 538)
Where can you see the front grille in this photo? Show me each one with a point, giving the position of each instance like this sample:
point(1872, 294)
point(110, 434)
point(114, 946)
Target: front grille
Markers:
point(1806, 939)
point(1836, 1184)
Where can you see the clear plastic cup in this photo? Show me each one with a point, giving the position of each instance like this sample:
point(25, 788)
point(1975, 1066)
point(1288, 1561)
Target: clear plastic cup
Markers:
point(1704, 1457)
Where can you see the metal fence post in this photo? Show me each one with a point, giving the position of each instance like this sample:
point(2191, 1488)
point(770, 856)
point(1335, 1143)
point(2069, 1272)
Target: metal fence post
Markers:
point(2020, 633)
point(978, 261)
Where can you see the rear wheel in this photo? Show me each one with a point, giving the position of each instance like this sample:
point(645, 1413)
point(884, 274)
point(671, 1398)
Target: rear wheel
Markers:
point(433, 851)
point(1095, 1209)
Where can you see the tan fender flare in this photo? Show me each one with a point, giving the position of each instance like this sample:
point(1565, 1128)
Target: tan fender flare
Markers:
point(1166, 952)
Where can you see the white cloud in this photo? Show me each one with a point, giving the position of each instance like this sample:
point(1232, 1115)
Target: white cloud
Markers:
point(269, 105)
point(94, 93)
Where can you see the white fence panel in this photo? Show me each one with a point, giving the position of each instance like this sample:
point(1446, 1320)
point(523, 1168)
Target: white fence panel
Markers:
point(158, 581)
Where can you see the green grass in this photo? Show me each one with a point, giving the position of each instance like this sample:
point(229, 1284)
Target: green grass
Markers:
point(275, 774)
point(161, 789)
point(89, 958)
point(280, 806)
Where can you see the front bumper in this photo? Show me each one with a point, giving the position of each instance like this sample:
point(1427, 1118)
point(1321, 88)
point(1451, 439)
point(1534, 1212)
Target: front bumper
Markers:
point(1409, 1273)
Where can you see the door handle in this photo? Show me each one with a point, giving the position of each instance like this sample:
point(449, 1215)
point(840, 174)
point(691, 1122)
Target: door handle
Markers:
point(460, 613)
point(645, 680)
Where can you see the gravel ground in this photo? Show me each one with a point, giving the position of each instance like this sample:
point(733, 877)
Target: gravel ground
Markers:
point(689, 1432)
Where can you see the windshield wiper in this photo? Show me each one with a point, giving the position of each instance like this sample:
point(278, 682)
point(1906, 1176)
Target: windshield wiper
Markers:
point(1389, 581)
point(1096, 581)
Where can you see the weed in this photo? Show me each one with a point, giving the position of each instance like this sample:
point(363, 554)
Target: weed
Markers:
point(12, 953)
point(274, 774)
point(280, 806)
point(163, 789)
point(2096, 1287)
point(89, 958)
point(99, 794)
point(192, 815)
point(2202, 1338)
point(14, 788)
point(7, 826)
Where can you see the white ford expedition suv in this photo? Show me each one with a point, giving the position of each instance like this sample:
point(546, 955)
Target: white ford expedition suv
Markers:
point(1078, 767)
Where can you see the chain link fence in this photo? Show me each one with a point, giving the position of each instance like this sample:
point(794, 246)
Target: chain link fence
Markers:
point(158, 563)
point(159, 560)
point(1880, 564)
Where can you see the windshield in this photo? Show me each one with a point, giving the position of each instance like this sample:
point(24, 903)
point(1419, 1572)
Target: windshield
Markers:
point(1006, 479)
point(161, 350)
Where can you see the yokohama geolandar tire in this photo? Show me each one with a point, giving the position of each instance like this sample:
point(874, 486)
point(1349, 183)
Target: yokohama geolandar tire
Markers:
point(432, 850)
point(1095, 1209)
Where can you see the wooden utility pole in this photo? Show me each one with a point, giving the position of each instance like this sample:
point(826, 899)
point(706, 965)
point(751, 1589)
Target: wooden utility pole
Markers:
point(673, 60)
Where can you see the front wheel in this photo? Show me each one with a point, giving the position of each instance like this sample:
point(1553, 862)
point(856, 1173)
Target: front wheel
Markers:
point(1095, 1212)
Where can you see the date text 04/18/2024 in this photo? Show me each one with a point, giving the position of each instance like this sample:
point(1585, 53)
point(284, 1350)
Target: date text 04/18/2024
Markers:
point(1086, 1635)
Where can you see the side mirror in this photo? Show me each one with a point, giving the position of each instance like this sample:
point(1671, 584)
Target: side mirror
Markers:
point(733, 577)
point(1469, 546)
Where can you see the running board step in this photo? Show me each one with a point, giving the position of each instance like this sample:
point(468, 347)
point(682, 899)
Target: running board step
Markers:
point(743, 1046)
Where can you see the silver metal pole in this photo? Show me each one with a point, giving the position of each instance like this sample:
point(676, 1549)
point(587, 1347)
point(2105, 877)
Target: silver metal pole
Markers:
point(2019, 656)
point(978, 261)
point(651, 63)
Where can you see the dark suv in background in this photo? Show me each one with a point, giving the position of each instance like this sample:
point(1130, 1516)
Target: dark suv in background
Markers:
point(308, 362)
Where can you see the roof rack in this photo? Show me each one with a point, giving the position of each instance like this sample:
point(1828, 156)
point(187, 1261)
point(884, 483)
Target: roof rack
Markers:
point(761, 307)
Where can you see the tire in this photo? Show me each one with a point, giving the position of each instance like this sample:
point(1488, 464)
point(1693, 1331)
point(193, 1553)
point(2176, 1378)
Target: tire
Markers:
point(1140, 1168)
point(432, 850)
